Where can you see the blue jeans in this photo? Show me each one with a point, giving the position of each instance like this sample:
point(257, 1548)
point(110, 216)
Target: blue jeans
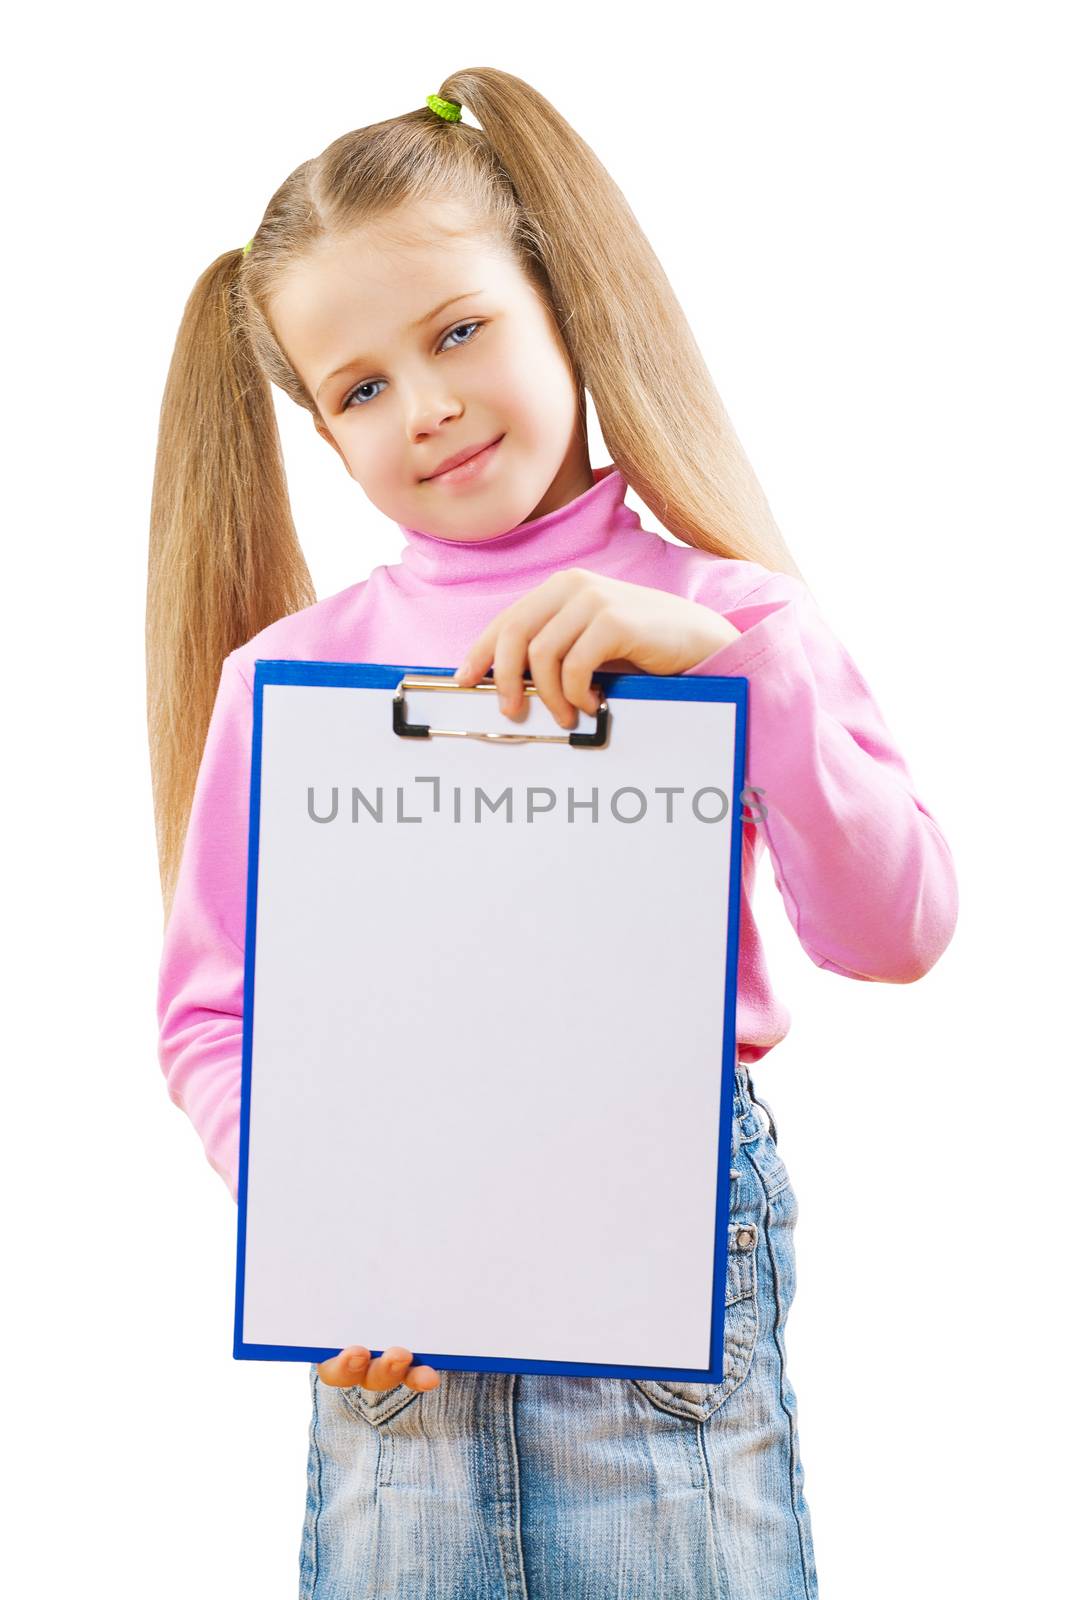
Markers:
point(495, 1486)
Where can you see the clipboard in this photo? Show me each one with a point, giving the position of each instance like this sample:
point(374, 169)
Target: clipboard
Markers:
point(489, 1022)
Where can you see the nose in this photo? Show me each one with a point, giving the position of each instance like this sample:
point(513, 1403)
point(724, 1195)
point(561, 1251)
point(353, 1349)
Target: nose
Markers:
point(429, 413)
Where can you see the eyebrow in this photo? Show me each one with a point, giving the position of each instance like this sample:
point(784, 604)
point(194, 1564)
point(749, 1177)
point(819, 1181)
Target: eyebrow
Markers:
point(360, 361)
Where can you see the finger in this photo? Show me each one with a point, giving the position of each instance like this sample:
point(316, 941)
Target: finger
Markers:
point(527, 616)
point(388, 1369)
point(549, 648)
point(422, 1378)
point(479, 657)
point(598, 642)
point(346, 1368)
point(508, 665)
point(525, 620)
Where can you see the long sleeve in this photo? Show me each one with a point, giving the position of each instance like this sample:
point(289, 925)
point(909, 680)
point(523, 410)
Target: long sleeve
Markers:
point(865, 872)
point(201, 979)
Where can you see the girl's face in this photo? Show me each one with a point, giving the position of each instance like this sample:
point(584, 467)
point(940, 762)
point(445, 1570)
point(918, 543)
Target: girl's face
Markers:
point(418, 351)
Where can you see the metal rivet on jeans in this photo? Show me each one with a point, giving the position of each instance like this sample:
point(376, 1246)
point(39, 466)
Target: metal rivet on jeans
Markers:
point(746, 1238)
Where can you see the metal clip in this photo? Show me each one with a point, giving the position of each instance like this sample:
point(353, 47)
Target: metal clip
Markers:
point(412, 730)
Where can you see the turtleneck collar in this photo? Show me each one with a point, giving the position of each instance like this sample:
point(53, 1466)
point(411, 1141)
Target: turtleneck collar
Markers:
point(565, 537)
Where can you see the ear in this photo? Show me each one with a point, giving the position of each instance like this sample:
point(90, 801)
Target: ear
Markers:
point(320, 427)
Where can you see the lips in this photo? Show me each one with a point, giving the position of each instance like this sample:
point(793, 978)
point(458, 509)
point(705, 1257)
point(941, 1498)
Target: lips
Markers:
point(461, 456)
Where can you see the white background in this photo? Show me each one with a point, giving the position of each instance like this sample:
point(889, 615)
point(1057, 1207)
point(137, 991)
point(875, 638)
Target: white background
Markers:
point(860, 210)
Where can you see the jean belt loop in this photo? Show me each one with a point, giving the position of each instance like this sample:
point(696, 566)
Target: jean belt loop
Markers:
point(766, 1108)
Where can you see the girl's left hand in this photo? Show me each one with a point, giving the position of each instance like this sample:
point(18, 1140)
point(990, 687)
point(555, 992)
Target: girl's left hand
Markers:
point(577, 621)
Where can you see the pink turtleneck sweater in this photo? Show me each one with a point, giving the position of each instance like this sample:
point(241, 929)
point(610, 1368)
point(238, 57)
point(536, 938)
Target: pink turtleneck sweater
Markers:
point(865, 873)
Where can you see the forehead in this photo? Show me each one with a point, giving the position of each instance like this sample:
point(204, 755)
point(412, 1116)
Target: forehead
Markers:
point(366, 288)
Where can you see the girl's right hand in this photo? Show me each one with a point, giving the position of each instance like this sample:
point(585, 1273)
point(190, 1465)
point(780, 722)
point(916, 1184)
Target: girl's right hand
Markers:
point(353, 1365)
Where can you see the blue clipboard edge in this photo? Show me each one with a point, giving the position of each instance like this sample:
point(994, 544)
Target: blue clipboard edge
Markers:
point(623, 686)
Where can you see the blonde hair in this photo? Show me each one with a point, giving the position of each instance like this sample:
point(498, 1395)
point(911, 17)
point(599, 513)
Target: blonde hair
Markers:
point(224, 558)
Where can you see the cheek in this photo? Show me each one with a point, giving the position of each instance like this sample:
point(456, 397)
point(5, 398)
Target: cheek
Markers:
point(535, 389)
point(373, 452)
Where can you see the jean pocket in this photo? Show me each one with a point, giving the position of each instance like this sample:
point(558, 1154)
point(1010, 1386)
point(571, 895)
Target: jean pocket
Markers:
point(741, 1329)
point(377, 1406)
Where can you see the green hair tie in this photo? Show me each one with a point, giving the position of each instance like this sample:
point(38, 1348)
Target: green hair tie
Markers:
point(444, 108)
point(248, 246)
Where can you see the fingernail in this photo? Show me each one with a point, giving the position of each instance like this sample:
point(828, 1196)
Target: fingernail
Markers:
point(462, 670)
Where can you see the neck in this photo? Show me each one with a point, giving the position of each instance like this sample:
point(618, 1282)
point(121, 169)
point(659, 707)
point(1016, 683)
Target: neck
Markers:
point(565, 537)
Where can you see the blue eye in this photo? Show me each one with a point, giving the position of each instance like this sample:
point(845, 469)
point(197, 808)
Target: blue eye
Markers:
point(352, 393)
point(460, 328)
point(352, 396)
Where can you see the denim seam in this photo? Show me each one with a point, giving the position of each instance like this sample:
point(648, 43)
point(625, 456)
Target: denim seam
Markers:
point(519, 1484)
point(313, 1542)
point(709, 1498)
point(781, 1397)
point(511, 1380)
point(720, 1565)
point(721, 1575)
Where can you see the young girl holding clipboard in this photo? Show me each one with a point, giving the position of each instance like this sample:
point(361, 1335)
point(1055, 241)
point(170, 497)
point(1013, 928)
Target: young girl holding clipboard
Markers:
point(439, 297)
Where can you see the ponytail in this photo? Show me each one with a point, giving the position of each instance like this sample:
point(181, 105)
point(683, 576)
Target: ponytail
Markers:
point(224, 560)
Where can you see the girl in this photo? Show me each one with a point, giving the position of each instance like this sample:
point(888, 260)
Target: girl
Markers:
point(439, 298)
